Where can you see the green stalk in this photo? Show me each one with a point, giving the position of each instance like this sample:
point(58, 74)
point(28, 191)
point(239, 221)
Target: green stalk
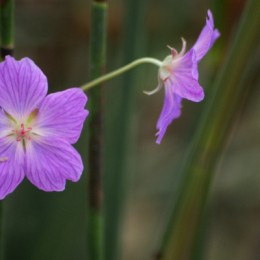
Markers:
point(97, 67)
point(220, 111)
point(120, 71)
point(119, 122)
point(7, 27)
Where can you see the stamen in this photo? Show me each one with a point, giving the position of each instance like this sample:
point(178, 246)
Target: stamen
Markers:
point(22, 129)
point(173, 51)
point(158, 88)
point(183, 49)
point(22, 133)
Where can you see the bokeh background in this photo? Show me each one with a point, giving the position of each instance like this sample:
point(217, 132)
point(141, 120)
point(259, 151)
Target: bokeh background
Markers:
point(55, 34)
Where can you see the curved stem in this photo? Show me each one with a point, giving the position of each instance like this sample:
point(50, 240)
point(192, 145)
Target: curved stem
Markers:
point(119, 71)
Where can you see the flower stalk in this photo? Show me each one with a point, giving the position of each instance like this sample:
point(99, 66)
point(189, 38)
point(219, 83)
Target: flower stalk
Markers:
point(95, 189)
point(120, 71)
point(7, 27)
point(198, 167)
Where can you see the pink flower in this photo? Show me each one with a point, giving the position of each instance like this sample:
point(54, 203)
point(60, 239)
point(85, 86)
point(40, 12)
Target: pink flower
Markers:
point(179, 76)
point(36, 131)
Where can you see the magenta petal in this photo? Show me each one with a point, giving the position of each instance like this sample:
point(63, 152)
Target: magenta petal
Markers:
point(62, 114)
point(171, 110)
point(11, 166)
point(50, 162)
point(4, 124)
point(184, 80)
point(22, 86)
point(215, 36)
point(206, 38)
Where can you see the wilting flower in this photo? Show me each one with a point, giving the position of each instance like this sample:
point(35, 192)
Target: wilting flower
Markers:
point(36, 131)
point(179, 75)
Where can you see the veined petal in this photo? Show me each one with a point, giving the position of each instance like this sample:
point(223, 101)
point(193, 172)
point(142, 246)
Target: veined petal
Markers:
point(62, 114)
point(23, 86)
point(11, 166)
point(206, 38)
point(171, 110)
point(50, 162)
point(5, 124)
point(184, 79)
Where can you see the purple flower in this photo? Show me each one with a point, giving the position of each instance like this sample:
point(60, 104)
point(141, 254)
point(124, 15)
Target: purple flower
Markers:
point(179, 75)
point(36, 131)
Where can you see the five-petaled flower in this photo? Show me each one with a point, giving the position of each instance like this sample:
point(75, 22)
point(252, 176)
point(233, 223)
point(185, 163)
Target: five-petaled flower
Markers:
point(36, 131)
point(179, 75)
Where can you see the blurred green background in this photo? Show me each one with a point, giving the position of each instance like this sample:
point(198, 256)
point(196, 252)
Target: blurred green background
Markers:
point(55, 34)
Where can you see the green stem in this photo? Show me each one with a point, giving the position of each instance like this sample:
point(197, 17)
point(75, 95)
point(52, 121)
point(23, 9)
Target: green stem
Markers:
point(95, 190)
point(120, 71)
point(7, 27)
point(217, 120)
point(120, 130)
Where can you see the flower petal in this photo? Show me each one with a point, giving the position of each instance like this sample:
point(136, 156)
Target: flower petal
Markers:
point(62, 114)
point(11, 166)
point(50, 161)
point(22, 86)
point(184, 79)
point(5, 125)
point(206, 38)
point(171, 110)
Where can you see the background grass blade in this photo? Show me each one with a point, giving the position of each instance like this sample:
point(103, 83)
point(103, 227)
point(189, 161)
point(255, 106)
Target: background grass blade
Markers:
point(97, 67)
point(119, 128)
point(7, 27)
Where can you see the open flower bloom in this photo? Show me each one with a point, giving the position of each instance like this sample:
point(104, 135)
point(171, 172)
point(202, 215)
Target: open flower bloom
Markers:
point(36, 131)
point(179, 75)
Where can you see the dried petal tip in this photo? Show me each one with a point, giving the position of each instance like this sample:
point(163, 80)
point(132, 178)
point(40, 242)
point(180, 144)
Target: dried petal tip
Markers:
point(209, 19)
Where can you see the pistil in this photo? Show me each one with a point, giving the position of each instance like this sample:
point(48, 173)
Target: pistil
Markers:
point(22, 133)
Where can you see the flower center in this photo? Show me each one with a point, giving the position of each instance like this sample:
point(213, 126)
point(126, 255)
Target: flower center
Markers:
point(166, 68)
point(22, 133)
